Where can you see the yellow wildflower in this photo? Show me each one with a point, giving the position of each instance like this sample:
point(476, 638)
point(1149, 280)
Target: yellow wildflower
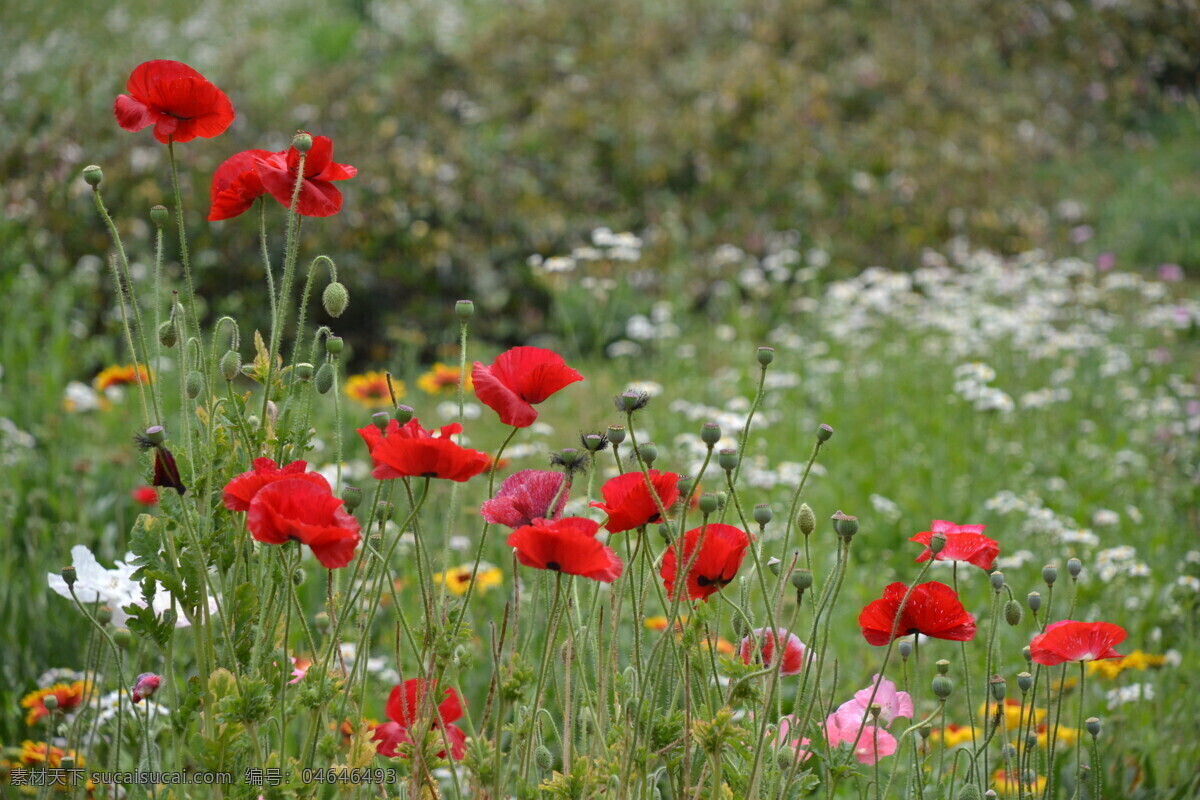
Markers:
point(442, 379)
point(371, 389)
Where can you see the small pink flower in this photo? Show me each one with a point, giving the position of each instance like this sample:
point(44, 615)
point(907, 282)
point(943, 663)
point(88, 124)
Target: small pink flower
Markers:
point(870, 743)
point(1106, 261)
point(300, 668)
point(525, 496)
point(783, 738)
point(892, 703)
point(793, 649)
point(1170, 273)
point(146, 685)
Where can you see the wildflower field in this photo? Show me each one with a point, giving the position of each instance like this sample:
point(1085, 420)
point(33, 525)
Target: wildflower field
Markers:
point(350, 449)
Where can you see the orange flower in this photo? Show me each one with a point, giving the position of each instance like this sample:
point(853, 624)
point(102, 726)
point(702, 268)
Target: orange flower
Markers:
point(371, 389)
point(442, 379)
point(34, 754)
point(121, 376)
point(69, 696)
point(1008, 784)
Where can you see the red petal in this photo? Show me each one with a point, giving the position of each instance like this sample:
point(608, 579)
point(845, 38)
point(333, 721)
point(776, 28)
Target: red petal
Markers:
point(132, 114)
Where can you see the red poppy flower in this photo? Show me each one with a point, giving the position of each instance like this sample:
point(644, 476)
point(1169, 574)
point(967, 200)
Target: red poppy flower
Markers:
point(932, 609)
point(518, 380)
point(567, 545)
point(410, 451)
point(299, 509)
point(722, 548)
point(146, 495)
point(318, 196)
point(236, 184)
point(1067, 640)
point(793, 649)
point(525, 496)
point(404, 709)
point(628, 502)
point(241, 490)
point(178, 101)
point(963, 543)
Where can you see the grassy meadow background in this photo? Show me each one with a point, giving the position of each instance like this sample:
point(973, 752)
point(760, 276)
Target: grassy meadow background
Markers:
point(969, 229)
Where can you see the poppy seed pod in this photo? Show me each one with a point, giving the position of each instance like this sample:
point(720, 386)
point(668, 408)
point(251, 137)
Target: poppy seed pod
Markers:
point(1024, 682)
point(302, 141)
point(708, 503)
point(50, 701)
point(104, 615)
point(69, 576)
point(351, 497)
point(464, 309)
point(230, 365)
point(194, 384)
point(684, 485)
point(304, 371)
point(334, 345)
point(384, 510)
point(996, 579)
point(943, 666)
point(763, 513)
point(159, 215)
point(155, 434)
point(1034, 599)
point(1093, 726)
point(942, 686)
point(802, 579)
point(335, 299)
point(765, 355)
point(806, 519)
point(1027, 654)
point(1013, 613)
point(324, 378)
point(905, 648)
point(824, 433)
point(123, 638)
point(616, 433)
point(403, 414)
point(168, 336)
point(937, 543)
point(93, 175)
point(1074, 567)
point(380, 420)
point(649, 452)
point(845, 525)
point(727, 459)
point(1050, 574)
point(631, 401)
point(710, 433)
point(998, 687)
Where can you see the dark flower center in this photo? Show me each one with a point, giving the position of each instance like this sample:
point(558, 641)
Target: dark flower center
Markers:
point(554, 565)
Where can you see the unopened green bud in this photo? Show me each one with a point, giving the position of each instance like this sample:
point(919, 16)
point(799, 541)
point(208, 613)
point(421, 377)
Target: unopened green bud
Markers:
point(194, 384)
point(766, 355)
point(1050, 574)
point(802, 579)
point(324, 378)
point(1027, 654)
point(299, 576)
point(1034, 599)
point(942, 666)
point(304, 371)
point(123, 638)
point(1074, 567)
point(335, 298)
point(785, 757)
point(763, 513)
point(845, 525)
point(1013, 612)
point(996, 579)
point(93, 175)
point(321, 620)
point(942, 686)
point(824, 433)
point(168, 336)
point(159, 215)
point(727, 459)
point(1024, 682)
point(648, 452)
point(708, 503)
point(464, 309)
point(543, 757)
point(1092, 724)
point(302, 141)
point(231, 365)
point(710, 433)
point(403, 414)
point(352, 497)
point(998, 686)
point(969, 791)
point(334, 345)
point(806, 519)
point(616, 433)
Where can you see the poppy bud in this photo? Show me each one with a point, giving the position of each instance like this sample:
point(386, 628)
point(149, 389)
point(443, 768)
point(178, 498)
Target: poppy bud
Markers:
point(69, 575)
point(969, 791)
point(123, 637)
point(351, 497)
point(384, 510)
point(381, 419)
point(302, 141)
point(167, 334)
point(321, 620)
point(145, 686)
point(997, 685)
point(1012, 612)
point(231, 365)
point(785, 757)
point(1050, 574)
point(937, 543)
point(104, 615)
point(802, 579)
point(845, 525)
point(1093, 726)
point(93, 175)
point(403, 414)
point(942, 686)
point(304, 371)
point(159, 215)
point(1074, 567)
point(193, 384)
point(299, 576)
point(648, 452)
point(824, 433)
point(50, 702)
point(324, 378)
point(1024, 682)
point(1034, 599)
point(543, 757)
point(722, 499)
point(708, 503)
point(943, 666)
point(335, 298)
point(806, 519)
point(763, 513)
point(905, 648)
point(253, 421)
point(464, 309)
point(766, 355)
point(775, 565)
point(155, 434)
point(996, 579)
point(1027, 654)
point(67, 764)
point(1008, 752)
point(727, 459)
point(710, 433)
point(684, 485)
point(616, 433)
point(990, 794)
point(334, 345)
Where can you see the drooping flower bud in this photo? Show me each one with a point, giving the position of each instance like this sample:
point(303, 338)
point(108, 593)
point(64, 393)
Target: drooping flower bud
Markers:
point(996, 579)
point(464, 309)
point(323, 381)
point(159, 215)
point(351, 497)
point(1034, 599)
point(845, 525)
point(335, 298)
point(1013, 613)
point(1074, 567)
point(403, 414)
point(1050, 574)
point(765, 355)
point(824, 433)
point(648, 452)
point(93, 175)
point(168, 336)
point(763, 513)
point(193, 384)
point(145, 686)
point(969, 791)
point(727, 459)
point(616, 433)
point(543, 757)
point(304, 371)
point(1024, 682)
point(942, 686)
point(710, 433)
point(806, 519)
point(302, 141)
point(231, 365)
